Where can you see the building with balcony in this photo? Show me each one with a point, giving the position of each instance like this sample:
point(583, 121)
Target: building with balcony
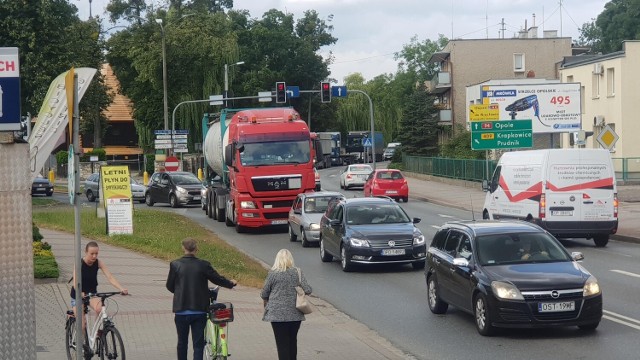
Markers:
point(465, 62)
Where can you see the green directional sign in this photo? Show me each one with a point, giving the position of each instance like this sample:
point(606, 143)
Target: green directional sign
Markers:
point(501, 134)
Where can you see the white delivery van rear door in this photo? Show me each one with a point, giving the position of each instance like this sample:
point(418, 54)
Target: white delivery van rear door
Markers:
point(580, 186)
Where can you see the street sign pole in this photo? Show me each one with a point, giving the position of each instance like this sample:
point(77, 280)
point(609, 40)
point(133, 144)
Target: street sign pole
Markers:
point(373, 139)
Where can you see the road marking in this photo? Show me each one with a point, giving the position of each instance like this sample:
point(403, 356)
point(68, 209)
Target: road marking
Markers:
point(628, 321)
point(435, 227)
point(447, 216)
point(626, 273)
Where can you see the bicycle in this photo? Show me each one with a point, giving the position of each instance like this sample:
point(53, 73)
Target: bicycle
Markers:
point(103, 340)
point(215, 333)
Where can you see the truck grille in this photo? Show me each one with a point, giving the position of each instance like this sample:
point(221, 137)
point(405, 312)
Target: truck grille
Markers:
point(277, 204)
point(277, 183)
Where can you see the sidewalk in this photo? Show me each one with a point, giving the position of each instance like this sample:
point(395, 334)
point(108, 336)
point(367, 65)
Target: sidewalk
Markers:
point(146, 322)
point(467, 195)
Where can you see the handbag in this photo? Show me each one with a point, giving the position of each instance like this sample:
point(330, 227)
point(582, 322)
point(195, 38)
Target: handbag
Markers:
point(302, 302)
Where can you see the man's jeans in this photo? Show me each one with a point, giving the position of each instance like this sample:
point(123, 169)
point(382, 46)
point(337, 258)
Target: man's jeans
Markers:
point(197, 323)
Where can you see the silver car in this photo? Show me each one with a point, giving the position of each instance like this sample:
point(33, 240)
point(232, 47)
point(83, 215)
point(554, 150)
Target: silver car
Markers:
point(92, 188)
point(305, 215)
point(354, 175)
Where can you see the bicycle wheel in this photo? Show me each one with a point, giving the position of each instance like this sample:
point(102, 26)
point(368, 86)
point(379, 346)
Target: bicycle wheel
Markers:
point(112, 345)
point(70, 339)
point(209, 346)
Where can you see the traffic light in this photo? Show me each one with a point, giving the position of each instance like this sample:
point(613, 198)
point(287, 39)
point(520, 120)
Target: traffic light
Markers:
point(325, 92)
point(281, 92)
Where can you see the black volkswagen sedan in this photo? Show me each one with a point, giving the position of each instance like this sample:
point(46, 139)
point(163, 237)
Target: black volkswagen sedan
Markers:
point(370, 230)
point(510, 274)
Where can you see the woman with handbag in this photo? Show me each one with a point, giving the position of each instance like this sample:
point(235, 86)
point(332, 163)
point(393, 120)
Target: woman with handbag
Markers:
point(279, 295)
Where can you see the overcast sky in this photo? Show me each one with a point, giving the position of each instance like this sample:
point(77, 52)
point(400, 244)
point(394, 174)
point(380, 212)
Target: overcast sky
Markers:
point(369, 32)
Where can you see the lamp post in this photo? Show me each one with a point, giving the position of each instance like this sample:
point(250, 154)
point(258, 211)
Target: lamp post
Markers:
point(226, 79)
point(164, 77)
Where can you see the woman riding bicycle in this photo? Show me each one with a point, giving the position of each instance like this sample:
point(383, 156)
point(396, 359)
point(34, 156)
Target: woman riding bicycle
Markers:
point(90, 266)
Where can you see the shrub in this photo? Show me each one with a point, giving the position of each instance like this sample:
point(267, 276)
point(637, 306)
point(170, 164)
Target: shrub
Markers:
point(44, 263)
point(36, 232)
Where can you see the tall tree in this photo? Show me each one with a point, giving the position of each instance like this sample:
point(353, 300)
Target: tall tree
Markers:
point(619, 21)
point(416, 54)
point(419, 134)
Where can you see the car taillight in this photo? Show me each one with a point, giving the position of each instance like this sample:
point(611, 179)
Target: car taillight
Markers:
point(615, 205)
point(348, 176)
point(543, 205)
point(317, 176)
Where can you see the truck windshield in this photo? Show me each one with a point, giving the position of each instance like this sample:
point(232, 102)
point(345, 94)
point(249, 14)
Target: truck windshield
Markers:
point(268, 153)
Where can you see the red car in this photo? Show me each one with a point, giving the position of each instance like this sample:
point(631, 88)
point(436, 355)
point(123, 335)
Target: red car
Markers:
point(387, 182)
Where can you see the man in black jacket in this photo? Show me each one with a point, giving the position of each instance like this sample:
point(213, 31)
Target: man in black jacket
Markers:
point(188, 280)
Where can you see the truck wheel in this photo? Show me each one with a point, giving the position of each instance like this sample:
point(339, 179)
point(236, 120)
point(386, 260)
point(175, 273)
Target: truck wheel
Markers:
point(601, 240)
point(218, 211)
point(228, 221)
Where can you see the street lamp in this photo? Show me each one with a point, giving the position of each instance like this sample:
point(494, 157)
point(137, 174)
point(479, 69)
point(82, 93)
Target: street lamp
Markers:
point(164, 77)
point(226, 78)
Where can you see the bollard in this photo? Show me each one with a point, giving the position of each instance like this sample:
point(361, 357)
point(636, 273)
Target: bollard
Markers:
point(145, 178)
point(52, 177)
point(200, 174)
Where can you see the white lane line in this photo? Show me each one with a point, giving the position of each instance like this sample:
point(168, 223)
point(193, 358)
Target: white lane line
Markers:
point(435, 227)
point(621, 316)
point(447, 216)
point(621, 322)
point(626, 273)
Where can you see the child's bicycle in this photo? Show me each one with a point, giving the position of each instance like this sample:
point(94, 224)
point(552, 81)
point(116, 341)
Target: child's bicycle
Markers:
point(215, 333)
point(103, 339)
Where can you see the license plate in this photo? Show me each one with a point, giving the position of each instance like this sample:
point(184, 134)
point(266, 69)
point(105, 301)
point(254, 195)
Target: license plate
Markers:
point(295, 183)
point(392, 191)
point(387, 252)
point(278, 222)
point(41, 189)
point(196, 198)
point(562, 213)
point(557, 306)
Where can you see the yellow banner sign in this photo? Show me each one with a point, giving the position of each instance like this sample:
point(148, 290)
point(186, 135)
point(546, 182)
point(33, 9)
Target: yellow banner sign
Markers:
point(482, 112)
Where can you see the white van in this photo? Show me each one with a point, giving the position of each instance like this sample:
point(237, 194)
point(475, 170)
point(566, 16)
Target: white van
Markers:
point(568, 192)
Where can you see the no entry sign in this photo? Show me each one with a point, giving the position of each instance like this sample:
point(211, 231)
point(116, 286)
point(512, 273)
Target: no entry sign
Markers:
point(172, 163)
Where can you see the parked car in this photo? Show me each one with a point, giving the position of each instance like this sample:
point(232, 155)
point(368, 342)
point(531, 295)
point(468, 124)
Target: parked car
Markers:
point(368, 231)
point(317, 174)
point(354, 175)
point(387, 182)
point(176, 188)
point(41, 185)
point(510, 274)
point(92, 188)
point(306, 213)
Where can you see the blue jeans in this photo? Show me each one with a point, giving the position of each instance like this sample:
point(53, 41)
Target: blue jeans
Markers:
point(197, 323)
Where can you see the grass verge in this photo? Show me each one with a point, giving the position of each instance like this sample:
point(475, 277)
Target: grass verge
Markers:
point(159, 233)
point(41, 201)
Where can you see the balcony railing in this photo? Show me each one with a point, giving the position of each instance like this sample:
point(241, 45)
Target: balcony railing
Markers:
point(444, 117)
point(441, 82)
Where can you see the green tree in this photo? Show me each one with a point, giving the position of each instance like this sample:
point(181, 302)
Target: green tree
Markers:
point(416, 54)
point(459, 147)
point(419, 134)
point(619, 21)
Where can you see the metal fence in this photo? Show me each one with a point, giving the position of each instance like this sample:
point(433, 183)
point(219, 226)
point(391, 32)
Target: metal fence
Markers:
point(627, 169)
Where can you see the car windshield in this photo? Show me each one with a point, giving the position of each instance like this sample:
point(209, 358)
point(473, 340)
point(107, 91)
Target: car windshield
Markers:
point(367, 214)
point(317, 204)
point(360, 168)
point(184, 179)
point(518, 248)
point(389, 175)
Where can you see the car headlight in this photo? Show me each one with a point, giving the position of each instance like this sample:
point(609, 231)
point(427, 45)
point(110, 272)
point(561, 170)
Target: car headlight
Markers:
point(247, 205)
point(591, 287)
point(314, 226)
point(181, 190)
point(418, 239)
point(506, 291)
point(355, 242)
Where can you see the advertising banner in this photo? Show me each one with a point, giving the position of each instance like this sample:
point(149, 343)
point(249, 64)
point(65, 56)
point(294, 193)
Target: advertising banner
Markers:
point(9, 89)
point(116, 186)
point(553, 108)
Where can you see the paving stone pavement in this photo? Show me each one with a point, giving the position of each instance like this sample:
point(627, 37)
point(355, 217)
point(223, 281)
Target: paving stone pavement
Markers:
point(146, 321)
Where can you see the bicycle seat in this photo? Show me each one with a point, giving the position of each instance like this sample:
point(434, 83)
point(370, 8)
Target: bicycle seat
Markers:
point(218, 306)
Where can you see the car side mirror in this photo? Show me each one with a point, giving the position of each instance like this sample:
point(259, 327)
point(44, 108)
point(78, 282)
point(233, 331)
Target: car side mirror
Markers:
point(335, 223)
point(462, 262)
point(416, 220)
point(577, 256)
point(485, 185)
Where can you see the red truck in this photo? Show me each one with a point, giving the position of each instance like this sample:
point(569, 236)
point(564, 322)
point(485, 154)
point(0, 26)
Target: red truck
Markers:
point(263, 158)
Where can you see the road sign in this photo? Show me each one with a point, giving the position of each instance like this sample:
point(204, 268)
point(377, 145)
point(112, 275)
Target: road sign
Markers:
point(502, 134)
point(338, 91)
point(172, 163)
point(293, 91)
point(367, 142)
point(265, 96)
point(216, 100)
point(607, 138)
point(9, 89)
point(481, 112)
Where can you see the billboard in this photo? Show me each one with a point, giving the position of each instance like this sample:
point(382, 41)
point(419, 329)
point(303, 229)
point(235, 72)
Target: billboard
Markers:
point(553, 108)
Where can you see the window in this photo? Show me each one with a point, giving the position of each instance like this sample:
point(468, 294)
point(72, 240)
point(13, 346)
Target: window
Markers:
point(452, 242)
point(439, 238)
point(518, 62)
point(611, 82)
point(595, 86)
point(464, 249)
point(570, 79)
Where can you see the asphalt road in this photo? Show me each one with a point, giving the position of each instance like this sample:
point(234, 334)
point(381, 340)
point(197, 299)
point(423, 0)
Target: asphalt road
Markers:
point(392, 299)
